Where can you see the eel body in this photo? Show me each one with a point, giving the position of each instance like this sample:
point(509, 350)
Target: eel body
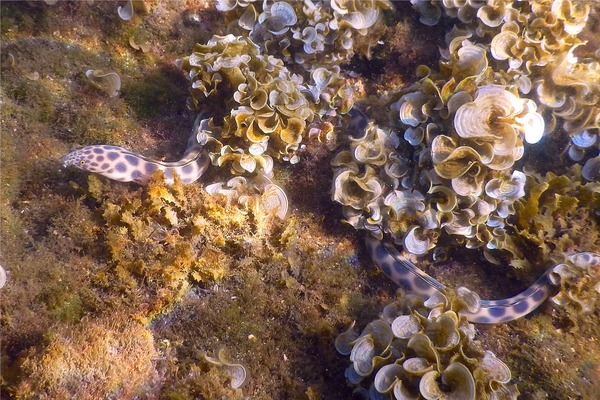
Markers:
point(123, 165)
point(412, 279)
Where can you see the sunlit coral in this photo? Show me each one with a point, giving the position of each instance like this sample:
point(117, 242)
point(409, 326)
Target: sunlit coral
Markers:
point(417, 345)
point(269, 111)
point(310, 33)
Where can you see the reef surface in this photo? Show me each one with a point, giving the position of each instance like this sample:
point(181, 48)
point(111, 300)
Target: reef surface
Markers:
point(120, 291)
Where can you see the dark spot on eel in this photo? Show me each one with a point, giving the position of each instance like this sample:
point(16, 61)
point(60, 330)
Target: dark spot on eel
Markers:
point(112, 155)
point(521, 307)
point(380, 252)
point(136, 175)
point(150, 168)
point(121, 167)
point(187, 169)
point(406, 284)
point(539, 295)
point(133, 160)
point(385, 267)
point(497, 312)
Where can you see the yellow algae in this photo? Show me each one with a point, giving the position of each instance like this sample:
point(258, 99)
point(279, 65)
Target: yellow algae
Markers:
point(118, 354)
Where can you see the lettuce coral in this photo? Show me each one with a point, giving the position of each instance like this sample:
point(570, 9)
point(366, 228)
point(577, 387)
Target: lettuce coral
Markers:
point(269, 111)
point(310, 33)
point(422, 350)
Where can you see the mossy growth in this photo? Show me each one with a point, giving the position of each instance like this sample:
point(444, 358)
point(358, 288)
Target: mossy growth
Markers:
point(163, 238)
point(556, 217)
point(104, 358)
point(28, 17)
point(301, 276)
point(202, 381)
point(551, 360)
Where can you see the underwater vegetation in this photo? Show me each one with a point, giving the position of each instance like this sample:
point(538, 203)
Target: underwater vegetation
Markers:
point(481, 165)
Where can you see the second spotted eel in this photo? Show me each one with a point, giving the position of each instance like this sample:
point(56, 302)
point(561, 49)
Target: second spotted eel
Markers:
point(412, 279)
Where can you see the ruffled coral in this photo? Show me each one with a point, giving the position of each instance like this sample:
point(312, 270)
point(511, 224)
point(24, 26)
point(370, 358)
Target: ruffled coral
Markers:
point(311, 33)
point(423, 350)
point(470, 123)
point(467, 133)
point(365, 176)
point(579, 280)
point(269, 111)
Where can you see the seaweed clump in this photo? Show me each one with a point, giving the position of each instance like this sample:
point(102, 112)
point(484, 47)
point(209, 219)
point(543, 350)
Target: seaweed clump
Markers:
point(116, 353)
point(423, 349)
point(169, 237)
point(557, 213)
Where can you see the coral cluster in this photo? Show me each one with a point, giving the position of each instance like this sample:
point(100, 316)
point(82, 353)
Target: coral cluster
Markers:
point(423, 350)
point(579, 280)
point(468, 126)
point(310, 33)
point(270, 108)
point(536, 42)
point(268, 113)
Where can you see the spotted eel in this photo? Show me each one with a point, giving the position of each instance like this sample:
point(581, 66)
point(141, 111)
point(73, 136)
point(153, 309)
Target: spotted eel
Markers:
point(126, 166)
point(412, 279)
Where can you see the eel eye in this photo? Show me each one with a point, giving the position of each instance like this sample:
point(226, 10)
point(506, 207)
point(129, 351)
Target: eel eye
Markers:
point(81, 162)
